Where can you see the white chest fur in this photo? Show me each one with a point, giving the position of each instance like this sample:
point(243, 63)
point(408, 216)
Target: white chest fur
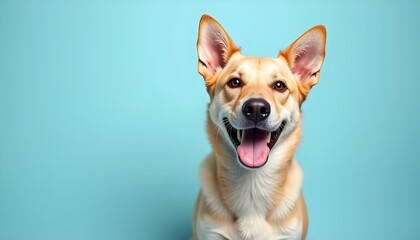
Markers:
point(249, 198)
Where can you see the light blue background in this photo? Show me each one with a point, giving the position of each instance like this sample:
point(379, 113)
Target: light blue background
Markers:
point(102, 115)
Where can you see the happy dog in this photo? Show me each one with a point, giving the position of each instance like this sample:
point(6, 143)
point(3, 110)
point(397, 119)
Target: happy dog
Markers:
point(251, 183)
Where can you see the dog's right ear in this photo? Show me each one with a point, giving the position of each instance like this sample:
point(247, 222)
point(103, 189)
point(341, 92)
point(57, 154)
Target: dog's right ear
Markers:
point(214, 47)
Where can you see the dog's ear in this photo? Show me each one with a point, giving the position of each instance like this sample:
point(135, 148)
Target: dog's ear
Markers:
point(306, 55)
point(214, 47)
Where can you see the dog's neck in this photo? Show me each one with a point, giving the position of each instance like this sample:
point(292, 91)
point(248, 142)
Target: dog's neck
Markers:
point(257, 192)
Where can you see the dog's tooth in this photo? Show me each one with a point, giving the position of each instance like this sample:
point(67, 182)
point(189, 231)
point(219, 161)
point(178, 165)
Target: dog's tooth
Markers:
point(268, 137)
point(238, 135)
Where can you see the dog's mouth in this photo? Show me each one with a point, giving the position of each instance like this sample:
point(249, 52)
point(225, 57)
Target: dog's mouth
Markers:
point(253, 145)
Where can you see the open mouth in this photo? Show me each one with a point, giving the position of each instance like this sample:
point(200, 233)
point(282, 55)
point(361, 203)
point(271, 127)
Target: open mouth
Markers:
point(253, 145)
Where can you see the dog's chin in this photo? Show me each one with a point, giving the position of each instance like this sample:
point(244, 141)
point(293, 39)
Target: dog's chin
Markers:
point(253, 145)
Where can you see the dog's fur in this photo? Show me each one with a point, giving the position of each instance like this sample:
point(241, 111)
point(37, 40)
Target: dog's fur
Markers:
point(265, 203)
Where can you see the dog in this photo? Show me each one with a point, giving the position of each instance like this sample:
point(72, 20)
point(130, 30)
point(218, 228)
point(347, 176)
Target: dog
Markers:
point(251, 183)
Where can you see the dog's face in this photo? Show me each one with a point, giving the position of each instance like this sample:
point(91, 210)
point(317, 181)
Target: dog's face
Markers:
point(256, 101)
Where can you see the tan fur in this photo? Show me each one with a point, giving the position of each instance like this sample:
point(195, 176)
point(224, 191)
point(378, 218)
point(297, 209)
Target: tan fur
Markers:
point(217, 203)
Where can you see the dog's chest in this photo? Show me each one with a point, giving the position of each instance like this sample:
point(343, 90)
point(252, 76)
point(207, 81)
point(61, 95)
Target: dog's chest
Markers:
point(249, 229)
point(250, 193)
point(248, 197)
point(249, 201)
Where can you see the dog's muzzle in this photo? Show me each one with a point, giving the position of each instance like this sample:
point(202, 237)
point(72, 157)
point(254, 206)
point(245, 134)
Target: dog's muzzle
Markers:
point(253, 145)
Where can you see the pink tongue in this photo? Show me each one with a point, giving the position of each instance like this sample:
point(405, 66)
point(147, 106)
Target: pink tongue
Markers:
point(253, 149)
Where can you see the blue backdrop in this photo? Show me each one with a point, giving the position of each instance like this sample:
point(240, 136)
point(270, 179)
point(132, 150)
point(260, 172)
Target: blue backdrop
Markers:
point(102, 115)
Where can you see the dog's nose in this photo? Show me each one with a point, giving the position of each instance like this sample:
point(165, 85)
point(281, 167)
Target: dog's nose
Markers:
point(256, 109)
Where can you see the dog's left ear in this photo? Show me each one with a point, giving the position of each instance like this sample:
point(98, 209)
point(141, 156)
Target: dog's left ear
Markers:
point(306, 55)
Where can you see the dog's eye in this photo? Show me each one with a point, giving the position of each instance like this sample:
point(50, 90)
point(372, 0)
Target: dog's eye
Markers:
point(279, 86)
point(234, 83)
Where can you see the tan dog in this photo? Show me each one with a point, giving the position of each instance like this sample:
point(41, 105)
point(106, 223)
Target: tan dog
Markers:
point(251, 183)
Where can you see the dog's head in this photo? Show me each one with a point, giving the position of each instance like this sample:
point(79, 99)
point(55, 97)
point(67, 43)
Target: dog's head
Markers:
point(256, 101)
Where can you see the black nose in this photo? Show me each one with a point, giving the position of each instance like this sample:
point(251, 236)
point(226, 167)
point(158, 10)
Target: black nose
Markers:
point(256, 109)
